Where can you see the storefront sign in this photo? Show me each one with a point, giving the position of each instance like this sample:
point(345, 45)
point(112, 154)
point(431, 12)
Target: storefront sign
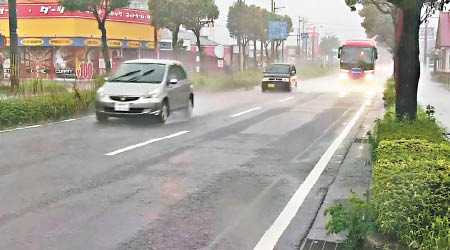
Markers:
point(93, 42)
point(55, 11)
point(85, 71)
point(150, 45)
point(115, 43)
point(61, 41)
point(32, 42)
point(134, 44)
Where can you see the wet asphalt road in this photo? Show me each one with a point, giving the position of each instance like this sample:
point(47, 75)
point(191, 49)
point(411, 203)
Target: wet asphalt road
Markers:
point(216, 181)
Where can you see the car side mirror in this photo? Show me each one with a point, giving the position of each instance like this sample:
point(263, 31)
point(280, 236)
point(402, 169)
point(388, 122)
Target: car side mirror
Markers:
point(340, 52)
point(173, 81)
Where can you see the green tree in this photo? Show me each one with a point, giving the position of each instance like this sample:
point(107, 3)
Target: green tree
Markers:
point(328, 44)
point(379, 25)
point(198, 13)
point(170, 15)
point(100, 9)
point(410, 15)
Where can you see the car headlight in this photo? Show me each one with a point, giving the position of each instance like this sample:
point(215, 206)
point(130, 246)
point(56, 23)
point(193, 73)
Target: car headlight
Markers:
point(265, 79)
point(101, 92)
point(152, 94)
point(286, 79)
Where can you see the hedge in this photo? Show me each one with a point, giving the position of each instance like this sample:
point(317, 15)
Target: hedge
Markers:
point(412, 192)
point(32, 110)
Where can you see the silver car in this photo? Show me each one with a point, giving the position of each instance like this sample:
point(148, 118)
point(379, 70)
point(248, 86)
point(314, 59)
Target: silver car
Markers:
point(145, 88)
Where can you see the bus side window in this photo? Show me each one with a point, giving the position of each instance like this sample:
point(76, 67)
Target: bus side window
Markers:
point(376, 53)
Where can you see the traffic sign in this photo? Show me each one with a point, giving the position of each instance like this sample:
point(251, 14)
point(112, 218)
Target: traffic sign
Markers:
point(278, 30)
point(305, 36)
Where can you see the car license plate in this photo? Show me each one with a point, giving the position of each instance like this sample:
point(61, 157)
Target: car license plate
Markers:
point(271, 85)
point(124, 107)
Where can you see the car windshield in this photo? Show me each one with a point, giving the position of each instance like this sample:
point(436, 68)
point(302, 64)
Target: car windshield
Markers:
point(357, 54)
point(139, 73)
point(278, 69)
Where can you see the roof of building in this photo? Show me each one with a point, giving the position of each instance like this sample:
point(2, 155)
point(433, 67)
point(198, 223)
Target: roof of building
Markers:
point(188, 35)
point(443, 34)
point(155, 61)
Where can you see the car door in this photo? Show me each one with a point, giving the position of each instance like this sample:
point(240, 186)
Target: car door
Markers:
point(185, 86)
point(173, 90)
point(294, 76)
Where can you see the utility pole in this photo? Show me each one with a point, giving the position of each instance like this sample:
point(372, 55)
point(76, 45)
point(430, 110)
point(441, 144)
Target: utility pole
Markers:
point(13, 49)
point(425, 45)
point(155, 29)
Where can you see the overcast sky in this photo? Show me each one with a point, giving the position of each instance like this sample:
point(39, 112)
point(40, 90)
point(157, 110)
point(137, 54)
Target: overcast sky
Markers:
point(333, 15)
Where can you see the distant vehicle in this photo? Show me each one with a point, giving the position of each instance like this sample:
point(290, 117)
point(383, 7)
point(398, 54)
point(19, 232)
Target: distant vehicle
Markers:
point(279, 77)
point(357, 59)
point(145, 88)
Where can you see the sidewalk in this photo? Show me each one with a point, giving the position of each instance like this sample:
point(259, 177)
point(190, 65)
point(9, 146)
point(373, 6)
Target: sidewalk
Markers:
point(438, 95)
point(354, 177)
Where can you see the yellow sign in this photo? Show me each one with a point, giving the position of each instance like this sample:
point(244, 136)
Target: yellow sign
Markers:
point(134, 44)
point(92, 42)
point(150, 45)
point(115, 43)
point(8, 41)
point(32, 42)
point(61, 42)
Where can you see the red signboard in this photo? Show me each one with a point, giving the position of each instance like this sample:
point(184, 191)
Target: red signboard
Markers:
point(55, 11)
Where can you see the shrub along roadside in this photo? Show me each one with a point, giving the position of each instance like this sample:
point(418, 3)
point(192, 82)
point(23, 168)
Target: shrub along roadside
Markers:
point(411, 185)
point(246, 79)
point(32, 110)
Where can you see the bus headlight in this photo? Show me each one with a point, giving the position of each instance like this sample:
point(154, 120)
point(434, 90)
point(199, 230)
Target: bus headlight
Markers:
point(369, 76)
point(343, 76)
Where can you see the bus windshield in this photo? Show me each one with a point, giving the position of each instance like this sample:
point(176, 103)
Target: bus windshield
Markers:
point(356, 55)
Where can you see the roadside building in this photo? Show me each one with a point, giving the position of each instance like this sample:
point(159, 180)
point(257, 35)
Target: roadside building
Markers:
point(442, 50)
point(216, 57)
point(56, 43)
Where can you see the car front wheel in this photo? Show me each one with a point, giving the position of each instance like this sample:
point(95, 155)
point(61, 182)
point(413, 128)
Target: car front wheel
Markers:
point(101, 117)
point(164, 112)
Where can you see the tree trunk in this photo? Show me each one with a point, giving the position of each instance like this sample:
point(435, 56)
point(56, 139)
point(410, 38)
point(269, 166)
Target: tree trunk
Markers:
point(262, 54)
point(105, 49)
point(239, 42)
point(175, 33)
point(408, 63)
point(199, 44)
point(255, 58)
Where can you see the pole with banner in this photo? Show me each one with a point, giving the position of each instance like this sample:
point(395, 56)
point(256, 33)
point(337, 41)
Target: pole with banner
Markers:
point(155, 29)
point(14, 46)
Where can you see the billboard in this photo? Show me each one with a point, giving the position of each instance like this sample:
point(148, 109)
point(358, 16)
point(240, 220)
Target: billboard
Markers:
point(278, 30)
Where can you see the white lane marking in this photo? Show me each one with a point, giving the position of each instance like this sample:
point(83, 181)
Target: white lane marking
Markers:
point(41, 125)
point(246, 112)
point(146, 143)
point(273, 234)
point(287, 99)
point(69, 120)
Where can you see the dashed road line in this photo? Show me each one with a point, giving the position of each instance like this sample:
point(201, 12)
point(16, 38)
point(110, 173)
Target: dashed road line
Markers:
point(142, 144)
point(274, 233)
point(287, 99)
point(246, 112)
